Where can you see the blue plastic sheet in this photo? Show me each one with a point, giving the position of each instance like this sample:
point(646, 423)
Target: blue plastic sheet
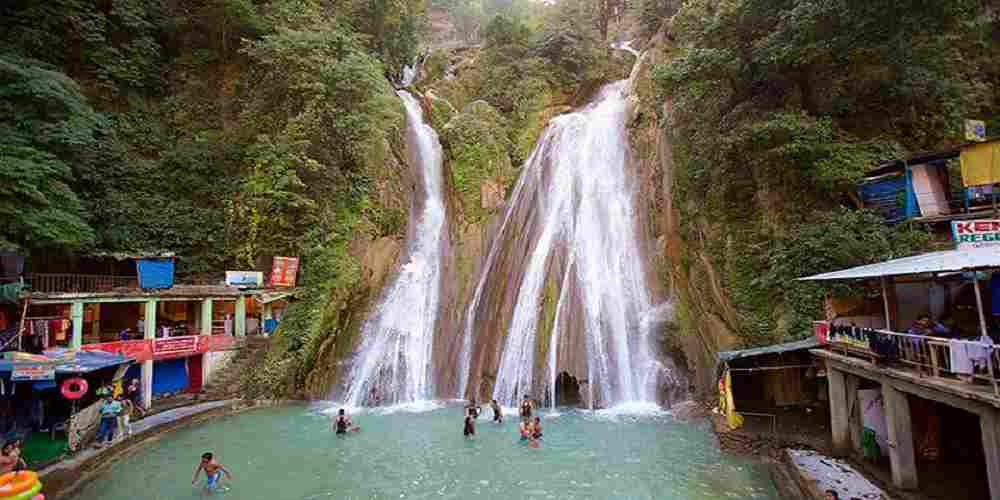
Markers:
point(156, 273)
point(169, 376)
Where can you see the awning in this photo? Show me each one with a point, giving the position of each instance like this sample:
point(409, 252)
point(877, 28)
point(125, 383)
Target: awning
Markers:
point(934, 262)
point(798, 345)
point(66, 362)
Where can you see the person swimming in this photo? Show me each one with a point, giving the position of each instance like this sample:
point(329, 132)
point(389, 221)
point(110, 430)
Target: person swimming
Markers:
point(213, 472)
point(497, 412)
point(344, 423)
point(525, 430)
point(536, 429)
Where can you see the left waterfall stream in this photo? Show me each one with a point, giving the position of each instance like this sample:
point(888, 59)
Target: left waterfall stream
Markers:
point(393, 363)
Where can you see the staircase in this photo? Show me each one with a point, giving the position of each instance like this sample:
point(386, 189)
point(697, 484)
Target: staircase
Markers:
point(225, 384)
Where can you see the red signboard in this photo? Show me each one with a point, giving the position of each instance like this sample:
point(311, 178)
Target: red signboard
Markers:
point(140, 350)
point(175, 347)
point(172, 347)
point(284, 271)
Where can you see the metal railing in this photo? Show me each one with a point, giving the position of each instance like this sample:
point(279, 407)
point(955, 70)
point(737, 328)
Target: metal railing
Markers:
point(79, 283)
point(928, 355)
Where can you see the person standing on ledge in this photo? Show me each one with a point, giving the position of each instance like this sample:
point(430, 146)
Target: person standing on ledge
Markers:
point(526, 408)
point(109, 409)
point(497, 412)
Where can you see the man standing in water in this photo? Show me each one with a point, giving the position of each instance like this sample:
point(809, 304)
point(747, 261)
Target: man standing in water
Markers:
point(344, 423)
point(472, 410)
point(470, 426)
point(526, 408)
point(497, 412)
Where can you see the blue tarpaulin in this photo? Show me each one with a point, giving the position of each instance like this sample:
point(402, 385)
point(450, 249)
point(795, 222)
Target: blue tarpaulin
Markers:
point(67, 362)
point(155, 273)
point(170, 375)
point(886, 196)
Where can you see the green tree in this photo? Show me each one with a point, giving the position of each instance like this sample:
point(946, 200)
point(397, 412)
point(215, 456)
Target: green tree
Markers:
point(46, 130)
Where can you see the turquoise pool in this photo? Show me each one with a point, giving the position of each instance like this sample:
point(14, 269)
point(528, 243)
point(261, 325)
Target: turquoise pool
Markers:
point(289, 453)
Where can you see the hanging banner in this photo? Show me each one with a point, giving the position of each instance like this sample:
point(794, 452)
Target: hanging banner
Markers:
point(33, 372)
point(244, 279)
point(284, 271)
point(982, 233)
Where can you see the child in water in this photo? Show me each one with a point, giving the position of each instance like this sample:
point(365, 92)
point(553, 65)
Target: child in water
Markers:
point(525, 429)
point(470, 426)
point(213, 472)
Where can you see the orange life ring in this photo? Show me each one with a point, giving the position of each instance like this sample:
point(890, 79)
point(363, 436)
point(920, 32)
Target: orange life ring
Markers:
point(15, 483)
point(74, 388)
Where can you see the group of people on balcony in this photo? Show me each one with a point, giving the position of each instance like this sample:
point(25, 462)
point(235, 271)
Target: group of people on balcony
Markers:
point(944, 327)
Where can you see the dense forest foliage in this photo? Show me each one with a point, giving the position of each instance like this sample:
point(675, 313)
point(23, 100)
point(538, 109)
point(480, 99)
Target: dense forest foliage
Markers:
point(230, 130)
point(216, 129)
point(777, 107)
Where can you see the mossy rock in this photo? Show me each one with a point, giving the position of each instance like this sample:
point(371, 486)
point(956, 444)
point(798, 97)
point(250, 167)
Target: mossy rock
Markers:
point(477, 146)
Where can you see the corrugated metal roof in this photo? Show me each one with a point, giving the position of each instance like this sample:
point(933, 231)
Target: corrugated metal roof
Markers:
point(798, 345)
point(934, 262)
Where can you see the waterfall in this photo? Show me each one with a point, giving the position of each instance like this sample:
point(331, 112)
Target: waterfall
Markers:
point(393, 363)
point(577, 220)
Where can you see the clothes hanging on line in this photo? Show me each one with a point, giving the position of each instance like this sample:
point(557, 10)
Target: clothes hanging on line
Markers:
point(960, 357)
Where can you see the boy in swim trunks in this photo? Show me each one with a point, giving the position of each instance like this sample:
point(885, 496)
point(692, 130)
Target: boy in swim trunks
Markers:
point(213, 471)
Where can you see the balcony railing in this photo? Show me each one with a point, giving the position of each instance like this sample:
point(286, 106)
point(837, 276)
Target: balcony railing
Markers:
point(79, 283)
point(931, 356)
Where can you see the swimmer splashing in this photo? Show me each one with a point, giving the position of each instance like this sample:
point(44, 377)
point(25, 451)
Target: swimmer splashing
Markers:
point(213, 472)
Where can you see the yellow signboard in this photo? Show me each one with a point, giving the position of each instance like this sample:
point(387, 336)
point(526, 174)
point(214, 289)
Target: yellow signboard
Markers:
point(981, 164)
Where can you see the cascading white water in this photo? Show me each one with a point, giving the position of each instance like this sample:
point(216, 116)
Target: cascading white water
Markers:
point(588, 209)
point(393, 363)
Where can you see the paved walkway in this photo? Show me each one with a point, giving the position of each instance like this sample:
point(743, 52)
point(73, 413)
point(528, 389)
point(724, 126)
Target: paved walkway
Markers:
point(832, 474)
point(149, 423)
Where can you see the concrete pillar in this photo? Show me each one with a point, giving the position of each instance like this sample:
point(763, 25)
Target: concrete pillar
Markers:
point(854, 411)
point(149, 325)
point(149, 322)
point(839, 416)
point(240, 326)
point(901, 454)
point(989, 422)
point(76, 316)
point(206, 317)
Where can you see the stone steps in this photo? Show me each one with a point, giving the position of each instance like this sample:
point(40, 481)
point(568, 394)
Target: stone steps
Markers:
point(225, 384)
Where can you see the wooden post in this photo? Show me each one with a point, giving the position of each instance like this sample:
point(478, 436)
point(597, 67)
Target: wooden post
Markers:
point(979, 304)
point(885, 304)
point(902, 457)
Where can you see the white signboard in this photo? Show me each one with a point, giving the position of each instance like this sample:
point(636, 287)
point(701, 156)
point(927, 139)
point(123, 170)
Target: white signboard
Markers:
point(982, 233)
point(244, 279)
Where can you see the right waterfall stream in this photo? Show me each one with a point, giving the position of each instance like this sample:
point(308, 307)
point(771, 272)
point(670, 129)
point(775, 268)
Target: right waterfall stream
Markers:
point(564, 292)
